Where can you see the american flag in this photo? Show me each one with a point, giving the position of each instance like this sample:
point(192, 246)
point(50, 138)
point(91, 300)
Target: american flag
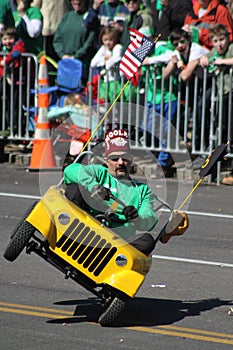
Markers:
point(140, 46)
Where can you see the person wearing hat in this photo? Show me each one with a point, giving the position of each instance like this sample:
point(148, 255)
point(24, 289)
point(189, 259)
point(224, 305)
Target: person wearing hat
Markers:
point(97, 184)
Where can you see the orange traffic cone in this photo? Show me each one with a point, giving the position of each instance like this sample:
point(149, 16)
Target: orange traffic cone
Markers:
point(42, 152)
point(43, 83)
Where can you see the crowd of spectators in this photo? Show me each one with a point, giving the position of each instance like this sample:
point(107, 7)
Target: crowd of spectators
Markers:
point(96, 33)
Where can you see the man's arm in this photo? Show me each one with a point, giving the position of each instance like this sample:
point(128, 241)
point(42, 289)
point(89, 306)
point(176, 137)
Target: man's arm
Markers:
point(187, 72)
point(81, 174)
point(91, 20)
point(147, 215)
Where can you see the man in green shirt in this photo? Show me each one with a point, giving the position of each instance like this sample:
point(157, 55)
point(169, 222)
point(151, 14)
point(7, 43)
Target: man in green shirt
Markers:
point(97, 184)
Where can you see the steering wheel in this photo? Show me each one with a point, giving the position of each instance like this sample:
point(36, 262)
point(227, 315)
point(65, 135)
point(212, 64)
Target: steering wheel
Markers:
point(104, 219)
point(108, 218)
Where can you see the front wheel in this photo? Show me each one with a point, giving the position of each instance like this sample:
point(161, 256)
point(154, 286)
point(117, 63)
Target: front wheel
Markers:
point(112, 312)
point(19, 240)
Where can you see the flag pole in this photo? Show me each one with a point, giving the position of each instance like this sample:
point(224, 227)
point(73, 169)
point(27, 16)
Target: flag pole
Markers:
point(189, 195)
point(157, 38)
point(111, 106)
point(216, 156)
point(105, 115)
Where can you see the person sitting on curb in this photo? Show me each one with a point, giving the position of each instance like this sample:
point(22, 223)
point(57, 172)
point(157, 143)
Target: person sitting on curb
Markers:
point(97, 184)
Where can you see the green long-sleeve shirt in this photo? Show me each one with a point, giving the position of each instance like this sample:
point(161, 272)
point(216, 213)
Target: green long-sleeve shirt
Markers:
point(130, 192)
point(72, 38)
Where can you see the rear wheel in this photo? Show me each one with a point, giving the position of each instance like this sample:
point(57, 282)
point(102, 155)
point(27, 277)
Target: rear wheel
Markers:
point(112, 312)
point(20, 237)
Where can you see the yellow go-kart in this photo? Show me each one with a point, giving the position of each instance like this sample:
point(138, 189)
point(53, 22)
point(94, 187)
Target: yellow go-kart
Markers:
point(83, 248)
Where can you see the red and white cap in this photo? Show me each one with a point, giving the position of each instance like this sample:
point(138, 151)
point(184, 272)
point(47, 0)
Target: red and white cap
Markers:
point(116, 142)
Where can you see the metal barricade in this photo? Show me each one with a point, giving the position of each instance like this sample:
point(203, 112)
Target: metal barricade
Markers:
point(18, 104)
point(198, 124)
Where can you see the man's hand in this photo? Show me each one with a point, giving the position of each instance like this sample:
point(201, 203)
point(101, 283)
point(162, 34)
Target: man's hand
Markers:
point(130, 212)
point(21, 8)
point(97, 4)
point(101, 192)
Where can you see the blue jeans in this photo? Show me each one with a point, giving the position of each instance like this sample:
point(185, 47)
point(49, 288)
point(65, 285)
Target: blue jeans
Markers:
point(163, 156)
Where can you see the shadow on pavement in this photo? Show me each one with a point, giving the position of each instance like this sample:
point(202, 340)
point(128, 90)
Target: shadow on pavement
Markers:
point(141, 311)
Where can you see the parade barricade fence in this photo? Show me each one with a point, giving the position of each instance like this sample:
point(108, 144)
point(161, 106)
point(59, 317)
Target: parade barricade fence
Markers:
point(199, 121)
point(199, 124)
point(18, 104)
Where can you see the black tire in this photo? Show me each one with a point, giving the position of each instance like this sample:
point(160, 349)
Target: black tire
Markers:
point(19, 241)
point(112, 312)
point(24, 217)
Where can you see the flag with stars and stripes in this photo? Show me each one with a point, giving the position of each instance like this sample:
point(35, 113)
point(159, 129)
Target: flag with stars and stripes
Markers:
point(140, 46)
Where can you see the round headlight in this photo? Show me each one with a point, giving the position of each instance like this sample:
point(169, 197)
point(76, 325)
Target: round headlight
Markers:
point(121, 260)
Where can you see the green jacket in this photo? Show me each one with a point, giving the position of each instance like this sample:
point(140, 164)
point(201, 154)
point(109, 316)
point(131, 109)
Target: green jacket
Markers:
point(33, 45)
point(72, 38)
point(6, 16)
point(130, 192)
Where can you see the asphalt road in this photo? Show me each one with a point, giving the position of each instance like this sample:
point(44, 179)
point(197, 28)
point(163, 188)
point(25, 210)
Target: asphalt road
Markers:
point(184, 304)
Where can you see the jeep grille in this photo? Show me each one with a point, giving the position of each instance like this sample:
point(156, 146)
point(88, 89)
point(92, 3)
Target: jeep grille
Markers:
point(86, 247)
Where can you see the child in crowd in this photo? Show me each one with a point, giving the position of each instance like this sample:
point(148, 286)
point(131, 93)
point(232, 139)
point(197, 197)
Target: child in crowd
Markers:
point(106, 58)
point(10, 64)
point(13, 48)
point(186, 55)
point(221, 56)
point(185, 60)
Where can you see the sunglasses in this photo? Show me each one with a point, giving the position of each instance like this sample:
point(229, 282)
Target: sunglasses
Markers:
point(176, 43)
point(128, 1)
point(125, 158)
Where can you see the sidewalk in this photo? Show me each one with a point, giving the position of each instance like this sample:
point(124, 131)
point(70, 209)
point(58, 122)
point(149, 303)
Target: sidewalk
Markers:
point(19, 153)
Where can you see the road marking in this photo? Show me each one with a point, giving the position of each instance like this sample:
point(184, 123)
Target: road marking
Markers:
point(16, 195)
point(29, 307)
point(175, 331)
point(195, 213)
point(192, 261)
point(203, 213)
point(188, 334)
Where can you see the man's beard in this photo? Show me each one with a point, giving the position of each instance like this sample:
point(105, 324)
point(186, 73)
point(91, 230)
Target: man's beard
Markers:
point(122, 173)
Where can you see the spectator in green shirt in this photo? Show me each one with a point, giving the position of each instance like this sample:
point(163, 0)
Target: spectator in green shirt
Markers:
point(6, 18)
point(29, 22)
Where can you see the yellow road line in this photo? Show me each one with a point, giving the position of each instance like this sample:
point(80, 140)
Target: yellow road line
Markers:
point(32, 313)
point(182, 334)
point(197, 331)
point(175, 331)
point(28, 307)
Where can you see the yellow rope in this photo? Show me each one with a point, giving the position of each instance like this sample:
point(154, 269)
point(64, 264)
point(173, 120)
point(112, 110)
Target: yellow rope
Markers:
point(110, 108)
point(53, 62)
point(49, 59)
point(189, 195)
point(105, 115)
